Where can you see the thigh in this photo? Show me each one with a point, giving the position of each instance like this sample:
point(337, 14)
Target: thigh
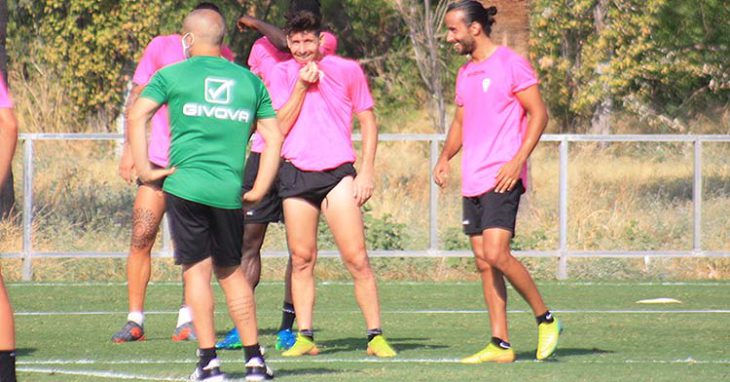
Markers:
point(190, 229)
point(344, 217)
point(301, 219)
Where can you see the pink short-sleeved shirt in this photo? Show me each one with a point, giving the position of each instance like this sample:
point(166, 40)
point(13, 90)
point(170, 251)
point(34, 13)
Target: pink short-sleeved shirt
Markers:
point(5, 101)
point(494, 121)
point(160, 52)
point(264, 56)
point(321, 138)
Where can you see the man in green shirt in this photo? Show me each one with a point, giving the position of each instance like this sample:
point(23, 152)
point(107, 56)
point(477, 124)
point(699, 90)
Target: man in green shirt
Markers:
point(212, 104)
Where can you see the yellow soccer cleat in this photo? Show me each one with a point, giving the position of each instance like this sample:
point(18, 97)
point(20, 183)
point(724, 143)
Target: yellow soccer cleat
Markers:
point(302, 346)
point(547, 339)
point(380, 347)
point(491, 353)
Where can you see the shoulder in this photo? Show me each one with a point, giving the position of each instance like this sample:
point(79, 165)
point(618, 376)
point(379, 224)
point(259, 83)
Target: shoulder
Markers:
point(163, 40)
point(510, 57)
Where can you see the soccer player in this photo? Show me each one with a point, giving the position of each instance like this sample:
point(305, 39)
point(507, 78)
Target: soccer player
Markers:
point(266, 52)
point(8, 140)
point(149, 204)
point(212, 104)
point(316, 97)
point(495, 91)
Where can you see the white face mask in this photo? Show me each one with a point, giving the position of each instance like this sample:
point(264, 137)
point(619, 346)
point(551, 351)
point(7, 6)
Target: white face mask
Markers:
point(186, 47)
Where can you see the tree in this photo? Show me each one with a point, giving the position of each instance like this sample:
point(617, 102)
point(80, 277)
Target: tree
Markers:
point(423, 21)
point(7, 192)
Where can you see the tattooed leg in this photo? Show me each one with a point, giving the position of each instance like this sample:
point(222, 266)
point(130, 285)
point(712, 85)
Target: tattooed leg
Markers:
point(241, 303)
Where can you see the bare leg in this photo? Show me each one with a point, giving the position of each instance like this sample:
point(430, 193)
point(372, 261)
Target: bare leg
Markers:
point(7, 326)
point(495, 291)
point(199, 297)
point(253, 239)
point(149, 207)
point(345, 221)
point(301, 219)
point(240, 301)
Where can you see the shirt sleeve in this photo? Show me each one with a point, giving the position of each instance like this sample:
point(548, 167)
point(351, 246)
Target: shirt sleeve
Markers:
point(5, 101)
point(279, 86)
point(359, 91)
point(146, 67)
point(157, 89)
point(264, 108)
point(523, 76)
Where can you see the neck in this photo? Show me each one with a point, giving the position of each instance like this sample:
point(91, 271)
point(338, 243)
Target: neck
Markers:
point(485, 48)
point(213, 51)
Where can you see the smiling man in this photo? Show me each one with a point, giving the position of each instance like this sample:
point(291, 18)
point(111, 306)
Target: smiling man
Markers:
point(316, 97)
point(496, 90)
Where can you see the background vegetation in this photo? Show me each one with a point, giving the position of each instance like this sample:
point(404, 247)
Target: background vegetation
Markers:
point(626, 66)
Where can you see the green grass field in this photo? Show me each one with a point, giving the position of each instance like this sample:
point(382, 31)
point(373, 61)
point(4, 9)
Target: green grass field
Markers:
point(64, 334)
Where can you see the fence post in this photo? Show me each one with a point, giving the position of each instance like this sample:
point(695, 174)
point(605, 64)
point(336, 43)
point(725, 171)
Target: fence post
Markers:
point(563, 206)
point(697, 198)
point(27, 209)
point(434, 197)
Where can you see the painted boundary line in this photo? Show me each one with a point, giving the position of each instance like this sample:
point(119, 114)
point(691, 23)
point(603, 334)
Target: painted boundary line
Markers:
point(425, 311)
point(192, 361)
point(349, 283)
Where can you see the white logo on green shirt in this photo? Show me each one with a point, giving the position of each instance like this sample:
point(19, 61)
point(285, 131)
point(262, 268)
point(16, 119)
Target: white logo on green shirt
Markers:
point(217, 92)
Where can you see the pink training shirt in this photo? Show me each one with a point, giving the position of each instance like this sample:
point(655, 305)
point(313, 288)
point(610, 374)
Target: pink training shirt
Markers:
point(264, 56)
point(494, 121)
point(5, 101)
point(160, 52)
point(321, 138)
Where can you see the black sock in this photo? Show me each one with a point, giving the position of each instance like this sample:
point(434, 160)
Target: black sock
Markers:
point(374, 332)
point(501, 343)
point(309, 333)
point(7, 366)
point(205, 356)
point(252, 351)
point(288, 316)
point(545, 317)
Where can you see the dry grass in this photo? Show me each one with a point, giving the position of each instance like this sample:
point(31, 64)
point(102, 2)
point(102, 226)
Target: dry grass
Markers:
point(623, 196)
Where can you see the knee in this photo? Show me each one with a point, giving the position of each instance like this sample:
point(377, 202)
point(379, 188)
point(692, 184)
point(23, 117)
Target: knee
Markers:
point(496, 257)
point(359, 266)
point(302, 258)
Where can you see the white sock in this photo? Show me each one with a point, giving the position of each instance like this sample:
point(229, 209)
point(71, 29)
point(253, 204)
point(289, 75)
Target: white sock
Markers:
point(136, 317)
point(184, 316)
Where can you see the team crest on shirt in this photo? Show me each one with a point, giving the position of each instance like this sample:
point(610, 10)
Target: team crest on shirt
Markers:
point(485, 84)
point(218, 90)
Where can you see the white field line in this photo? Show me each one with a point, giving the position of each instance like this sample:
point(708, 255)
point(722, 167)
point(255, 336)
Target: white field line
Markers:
point(348, 283)
point(191, 361)
point(98, 374)
point(424, 311)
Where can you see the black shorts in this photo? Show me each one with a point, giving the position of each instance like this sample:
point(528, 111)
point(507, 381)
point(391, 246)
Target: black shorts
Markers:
point(312, 186)
point(156, 184)
point(268, 210)
point(492, 210)
point(200, 231)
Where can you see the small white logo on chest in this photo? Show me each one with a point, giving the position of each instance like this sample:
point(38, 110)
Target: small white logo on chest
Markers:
point(485, 84)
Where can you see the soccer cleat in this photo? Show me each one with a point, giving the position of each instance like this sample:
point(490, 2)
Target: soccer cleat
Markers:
point(231, 341)
point(302, 346)
point(184, 332)
point(131, 331)
point(285, 339)
point(547, 338)
point(256, 370)
point(380, 347)
point(491, 353)
point(210, 373)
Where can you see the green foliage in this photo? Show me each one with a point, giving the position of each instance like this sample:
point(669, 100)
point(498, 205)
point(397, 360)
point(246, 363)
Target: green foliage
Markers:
point(384, 233)
point(643, 54)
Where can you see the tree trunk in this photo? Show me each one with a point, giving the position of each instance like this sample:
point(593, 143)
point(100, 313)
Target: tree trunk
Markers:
point(7, 193)
point(601, 119)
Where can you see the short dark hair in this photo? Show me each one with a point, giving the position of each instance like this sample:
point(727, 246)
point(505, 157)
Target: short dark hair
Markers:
point(209, 5)
point(303, 21)
point(474, 11)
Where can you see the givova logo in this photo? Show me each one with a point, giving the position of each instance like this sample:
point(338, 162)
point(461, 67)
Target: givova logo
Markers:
point(217, 92)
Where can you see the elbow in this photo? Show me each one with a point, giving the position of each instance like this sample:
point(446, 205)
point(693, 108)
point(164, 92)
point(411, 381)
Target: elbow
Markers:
point(9, 124)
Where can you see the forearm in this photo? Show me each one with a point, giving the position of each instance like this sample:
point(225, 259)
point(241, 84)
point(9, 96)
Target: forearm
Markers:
point(288, 114)
point(271, 156)
point(275, 35)
point(131, 99)
point(8, 141)
point(535, 128)
point(453, 141)
point(369, 130)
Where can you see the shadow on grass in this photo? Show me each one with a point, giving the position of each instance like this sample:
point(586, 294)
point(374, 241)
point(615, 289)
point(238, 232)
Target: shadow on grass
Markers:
point(22, 352)
point(359, 343)
point(278, 372)
point(564, 352)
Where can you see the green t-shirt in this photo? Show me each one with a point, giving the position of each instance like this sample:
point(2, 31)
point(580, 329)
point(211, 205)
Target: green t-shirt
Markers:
point(212, 105)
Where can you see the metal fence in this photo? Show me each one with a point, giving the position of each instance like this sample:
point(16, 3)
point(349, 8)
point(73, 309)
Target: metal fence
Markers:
point(562, 253)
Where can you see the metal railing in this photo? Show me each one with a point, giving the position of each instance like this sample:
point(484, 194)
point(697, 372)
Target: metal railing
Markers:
point(563, 253)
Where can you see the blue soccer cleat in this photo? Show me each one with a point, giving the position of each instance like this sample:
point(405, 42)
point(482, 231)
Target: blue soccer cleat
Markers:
point(285, 339)
point(231, 341)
